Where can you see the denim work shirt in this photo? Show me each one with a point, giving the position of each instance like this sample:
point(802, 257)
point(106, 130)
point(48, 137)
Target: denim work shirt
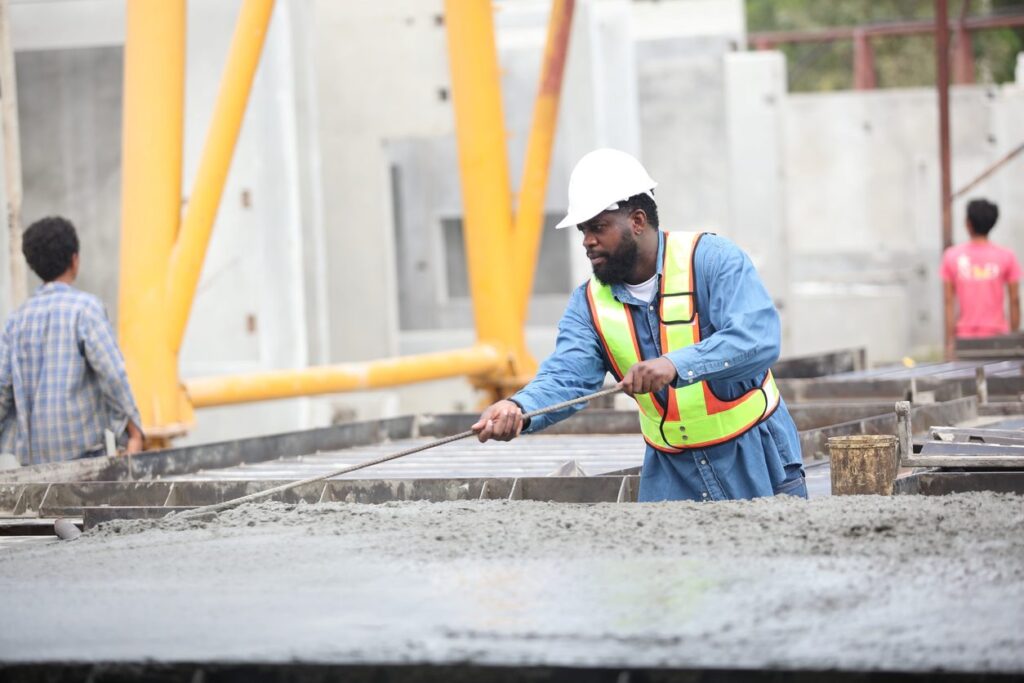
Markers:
point(740, 335)
point(62, 378)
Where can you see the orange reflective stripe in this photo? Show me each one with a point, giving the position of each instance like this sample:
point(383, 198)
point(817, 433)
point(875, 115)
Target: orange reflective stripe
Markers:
point(600, 332)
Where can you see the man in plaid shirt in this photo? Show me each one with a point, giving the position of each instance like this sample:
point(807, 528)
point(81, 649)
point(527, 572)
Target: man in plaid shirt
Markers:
point(62, 377)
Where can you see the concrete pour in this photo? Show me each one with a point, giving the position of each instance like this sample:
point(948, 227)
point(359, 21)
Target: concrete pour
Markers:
point(901, 583)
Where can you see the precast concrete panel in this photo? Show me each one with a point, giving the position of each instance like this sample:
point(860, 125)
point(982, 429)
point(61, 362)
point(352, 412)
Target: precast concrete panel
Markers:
point(67, 25)
point(5, 261)
point(685, 142)
point(826, 316)
point(249, 312)
point(755, 86)
point(382, 74)
point(69, 109)
point(1004, 186)
point(862, 198)
point(688, 19)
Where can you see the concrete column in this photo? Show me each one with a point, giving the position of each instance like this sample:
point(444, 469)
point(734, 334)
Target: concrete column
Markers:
point(5, 264)
point(755, 87)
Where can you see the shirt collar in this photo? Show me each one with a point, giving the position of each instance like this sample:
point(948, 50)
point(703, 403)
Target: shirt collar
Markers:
point(53, 287)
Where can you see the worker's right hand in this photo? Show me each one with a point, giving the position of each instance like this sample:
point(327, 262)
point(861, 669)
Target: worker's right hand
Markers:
point(501, 421)
point(135, 440)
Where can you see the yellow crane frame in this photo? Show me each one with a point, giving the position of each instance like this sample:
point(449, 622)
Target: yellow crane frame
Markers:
point(162, 251)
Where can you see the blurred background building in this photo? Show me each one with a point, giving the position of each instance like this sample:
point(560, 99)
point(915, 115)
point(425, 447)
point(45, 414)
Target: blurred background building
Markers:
point(339, 235)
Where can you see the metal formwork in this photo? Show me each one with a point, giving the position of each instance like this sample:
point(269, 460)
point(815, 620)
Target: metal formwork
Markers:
point(593, 457)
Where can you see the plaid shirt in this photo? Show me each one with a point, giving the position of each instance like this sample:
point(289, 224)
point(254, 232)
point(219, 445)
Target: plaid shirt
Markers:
point(62, 378)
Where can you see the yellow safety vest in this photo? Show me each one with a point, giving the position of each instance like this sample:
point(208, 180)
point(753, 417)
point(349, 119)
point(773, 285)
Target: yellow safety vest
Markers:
point(694, 416)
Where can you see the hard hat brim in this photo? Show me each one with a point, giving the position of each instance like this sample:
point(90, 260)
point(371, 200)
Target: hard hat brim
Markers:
point(569, 221)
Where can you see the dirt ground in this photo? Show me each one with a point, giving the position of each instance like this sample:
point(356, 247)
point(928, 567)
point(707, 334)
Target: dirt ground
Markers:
point(901, 583)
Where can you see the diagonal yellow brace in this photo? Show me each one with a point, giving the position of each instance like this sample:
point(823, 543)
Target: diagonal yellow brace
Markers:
point(197, 226)
point(486, 189)
point(529, 220)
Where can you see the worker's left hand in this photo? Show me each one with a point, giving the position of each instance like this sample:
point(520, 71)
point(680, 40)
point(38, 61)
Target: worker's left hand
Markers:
point(649, 376)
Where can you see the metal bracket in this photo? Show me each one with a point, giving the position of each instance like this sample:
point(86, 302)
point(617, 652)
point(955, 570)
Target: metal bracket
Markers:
point(904, 433)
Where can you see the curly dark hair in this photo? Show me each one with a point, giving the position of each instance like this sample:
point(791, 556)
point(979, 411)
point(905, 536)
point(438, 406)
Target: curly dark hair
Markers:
point(982, 215)
point(644, 202)
point(48, 245)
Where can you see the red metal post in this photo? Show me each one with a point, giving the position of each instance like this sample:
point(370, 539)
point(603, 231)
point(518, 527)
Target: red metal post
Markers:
point(963, 56)
point(863, 62)
point(942, 70)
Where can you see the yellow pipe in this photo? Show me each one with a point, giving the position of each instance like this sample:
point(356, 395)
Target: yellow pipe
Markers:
point(152, 134)
point(190, 250)
point(529, 220)
point(263, 386)
point(483, 164)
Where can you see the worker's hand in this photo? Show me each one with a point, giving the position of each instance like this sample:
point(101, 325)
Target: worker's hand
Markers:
point(502, 421)
point(950, 351)
point(648, 376)
point(134, 440)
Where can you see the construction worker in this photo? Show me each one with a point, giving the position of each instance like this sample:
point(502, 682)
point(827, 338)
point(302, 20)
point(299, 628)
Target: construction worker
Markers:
point(62, 378)
point(683, 321)
point(975, 275)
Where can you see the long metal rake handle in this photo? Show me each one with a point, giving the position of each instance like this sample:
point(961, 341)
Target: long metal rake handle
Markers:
point(217, 507)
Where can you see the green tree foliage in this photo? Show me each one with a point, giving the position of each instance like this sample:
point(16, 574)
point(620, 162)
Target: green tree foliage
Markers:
point(901, 61)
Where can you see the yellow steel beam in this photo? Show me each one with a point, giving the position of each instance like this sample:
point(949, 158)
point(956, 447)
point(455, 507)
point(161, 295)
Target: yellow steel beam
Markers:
point(154, 90)
point(529, 220)
point(263, 386)
point(197, 225)
point(486, 190)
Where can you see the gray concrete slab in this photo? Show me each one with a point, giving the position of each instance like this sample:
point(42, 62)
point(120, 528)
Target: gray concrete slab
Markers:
point(908, 583)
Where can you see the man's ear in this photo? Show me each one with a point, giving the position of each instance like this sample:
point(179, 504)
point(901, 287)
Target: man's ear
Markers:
point(638, 221)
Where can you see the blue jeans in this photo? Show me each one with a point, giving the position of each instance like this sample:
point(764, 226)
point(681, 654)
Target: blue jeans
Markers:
point(796, 486)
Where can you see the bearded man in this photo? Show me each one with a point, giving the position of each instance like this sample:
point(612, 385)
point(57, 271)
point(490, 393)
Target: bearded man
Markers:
point(684, 323)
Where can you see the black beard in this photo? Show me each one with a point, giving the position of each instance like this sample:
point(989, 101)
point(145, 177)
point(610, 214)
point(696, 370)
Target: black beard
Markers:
point(619, 265)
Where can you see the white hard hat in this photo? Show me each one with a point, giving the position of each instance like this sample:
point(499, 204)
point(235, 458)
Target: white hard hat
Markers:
point(600, 180)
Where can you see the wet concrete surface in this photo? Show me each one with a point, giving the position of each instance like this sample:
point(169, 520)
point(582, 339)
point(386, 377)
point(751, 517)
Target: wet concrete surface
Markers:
point(856, 583)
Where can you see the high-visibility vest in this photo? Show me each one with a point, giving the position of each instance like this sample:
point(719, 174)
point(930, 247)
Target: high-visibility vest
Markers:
point(693, 417)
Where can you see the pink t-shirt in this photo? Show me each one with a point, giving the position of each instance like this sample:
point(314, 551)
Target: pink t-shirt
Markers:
point(979, 273)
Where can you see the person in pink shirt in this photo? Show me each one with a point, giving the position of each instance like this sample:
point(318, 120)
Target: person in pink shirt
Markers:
point(975, 274)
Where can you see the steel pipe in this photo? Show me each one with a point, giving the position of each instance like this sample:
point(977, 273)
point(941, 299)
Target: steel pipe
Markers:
point(482, 359)
point(152, 136)
point(942, 85)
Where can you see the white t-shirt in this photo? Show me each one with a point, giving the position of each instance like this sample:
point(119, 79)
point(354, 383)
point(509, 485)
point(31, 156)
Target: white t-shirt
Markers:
point(643, 291)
